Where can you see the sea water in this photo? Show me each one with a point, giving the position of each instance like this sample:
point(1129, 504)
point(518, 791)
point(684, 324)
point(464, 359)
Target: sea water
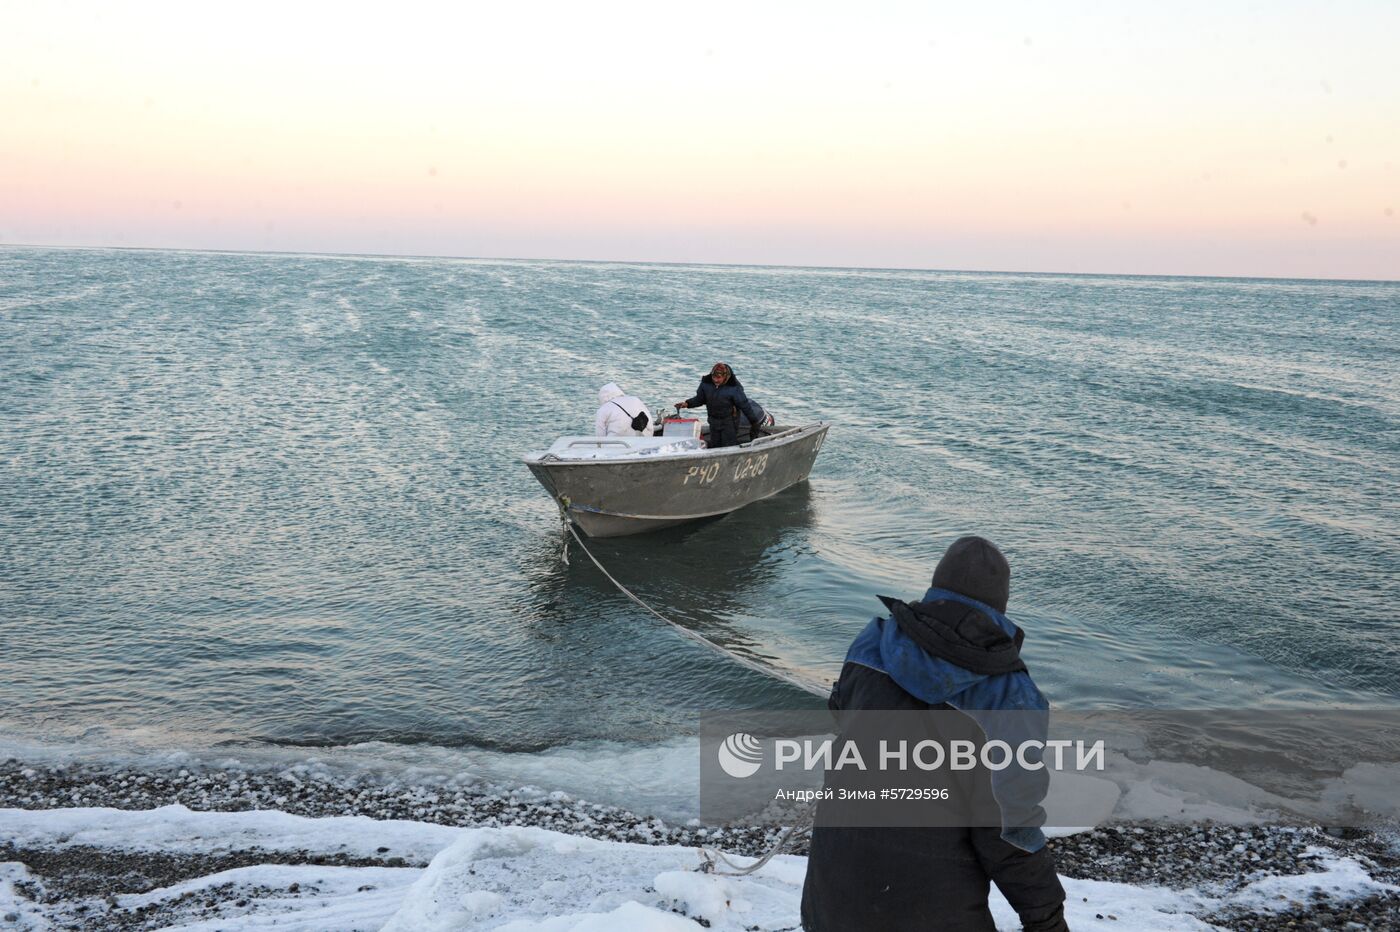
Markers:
point(278, 499)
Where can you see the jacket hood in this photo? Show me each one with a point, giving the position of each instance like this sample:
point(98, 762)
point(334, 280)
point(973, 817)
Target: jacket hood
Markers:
point(936, 651)
point(609, 392)
point(960, 633)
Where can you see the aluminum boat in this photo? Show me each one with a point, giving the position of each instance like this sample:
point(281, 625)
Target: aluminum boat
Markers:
point(614, 486)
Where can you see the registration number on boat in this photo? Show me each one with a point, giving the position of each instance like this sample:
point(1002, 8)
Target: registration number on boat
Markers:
point(747, 469)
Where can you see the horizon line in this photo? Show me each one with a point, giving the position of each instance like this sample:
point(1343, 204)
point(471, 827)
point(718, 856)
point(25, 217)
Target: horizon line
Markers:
point(679, 264)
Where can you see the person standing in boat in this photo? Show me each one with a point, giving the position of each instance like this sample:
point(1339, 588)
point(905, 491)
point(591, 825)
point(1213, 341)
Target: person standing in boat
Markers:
point(620, 414)
point(724, 400)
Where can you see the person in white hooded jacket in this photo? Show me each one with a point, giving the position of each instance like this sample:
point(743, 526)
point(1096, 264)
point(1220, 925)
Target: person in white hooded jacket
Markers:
point(616, 412)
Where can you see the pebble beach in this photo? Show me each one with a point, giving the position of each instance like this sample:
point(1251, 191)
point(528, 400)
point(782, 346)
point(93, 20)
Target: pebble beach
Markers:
point(68, 881)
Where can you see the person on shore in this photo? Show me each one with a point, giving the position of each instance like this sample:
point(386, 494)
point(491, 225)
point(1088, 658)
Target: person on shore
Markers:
point(954, 650)
point(724, 401)
point(620, 414)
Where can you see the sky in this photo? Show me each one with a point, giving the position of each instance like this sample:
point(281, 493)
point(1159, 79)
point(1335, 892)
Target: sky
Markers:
point(1210, 138)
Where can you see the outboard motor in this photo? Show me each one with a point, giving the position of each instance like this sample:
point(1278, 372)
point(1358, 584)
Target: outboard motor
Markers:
point(746, 428)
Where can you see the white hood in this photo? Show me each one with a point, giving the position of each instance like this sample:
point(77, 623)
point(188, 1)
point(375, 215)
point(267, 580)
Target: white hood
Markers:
point(608, 393)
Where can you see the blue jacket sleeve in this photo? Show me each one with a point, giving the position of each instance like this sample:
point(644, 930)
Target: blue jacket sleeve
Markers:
point(1010, 708)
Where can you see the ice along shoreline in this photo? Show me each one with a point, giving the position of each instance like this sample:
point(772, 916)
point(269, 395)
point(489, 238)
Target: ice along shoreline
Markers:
point(84, 840)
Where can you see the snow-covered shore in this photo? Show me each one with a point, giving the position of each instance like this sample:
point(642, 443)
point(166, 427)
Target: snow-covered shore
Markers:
point(112, 847)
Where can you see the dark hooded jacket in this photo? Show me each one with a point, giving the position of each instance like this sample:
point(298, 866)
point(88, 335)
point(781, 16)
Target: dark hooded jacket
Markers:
point(724, 403)
point(947, 652)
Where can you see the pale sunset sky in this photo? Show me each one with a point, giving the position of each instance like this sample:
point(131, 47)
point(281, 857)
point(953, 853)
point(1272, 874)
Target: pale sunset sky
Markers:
point(1214, 138)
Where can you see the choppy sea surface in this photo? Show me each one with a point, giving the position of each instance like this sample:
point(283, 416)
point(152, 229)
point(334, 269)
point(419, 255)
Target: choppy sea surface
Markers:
point(278, 499)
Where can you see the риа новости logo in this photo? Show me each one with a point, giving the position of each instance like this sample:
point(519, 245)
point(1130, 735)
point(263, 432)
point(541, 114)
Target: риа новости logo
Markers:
point(740, 755)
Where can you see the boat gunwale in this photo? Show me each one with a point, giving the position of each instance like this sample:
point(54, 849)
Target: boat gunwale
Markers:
point(777, 440)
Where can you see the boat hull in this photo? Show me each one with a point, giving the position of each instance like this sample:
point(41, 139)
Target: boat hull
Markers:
point(614, 498)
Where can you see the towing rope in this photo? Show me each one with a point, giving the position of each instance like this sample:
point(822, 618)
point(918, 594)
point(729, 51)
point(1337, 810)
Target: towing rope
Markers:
point(802, 827)
point(791, 836)
point(750, 663)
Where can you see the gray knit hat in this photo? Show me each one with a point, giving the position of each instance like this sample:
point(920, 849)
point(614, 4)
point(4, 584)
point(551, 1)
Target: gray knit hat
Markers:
point(974, 567)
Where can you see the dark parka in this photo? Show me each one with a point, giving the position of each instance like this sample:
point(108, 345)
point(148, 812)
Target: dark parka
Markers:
point(934, 879)
point(724, 403)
